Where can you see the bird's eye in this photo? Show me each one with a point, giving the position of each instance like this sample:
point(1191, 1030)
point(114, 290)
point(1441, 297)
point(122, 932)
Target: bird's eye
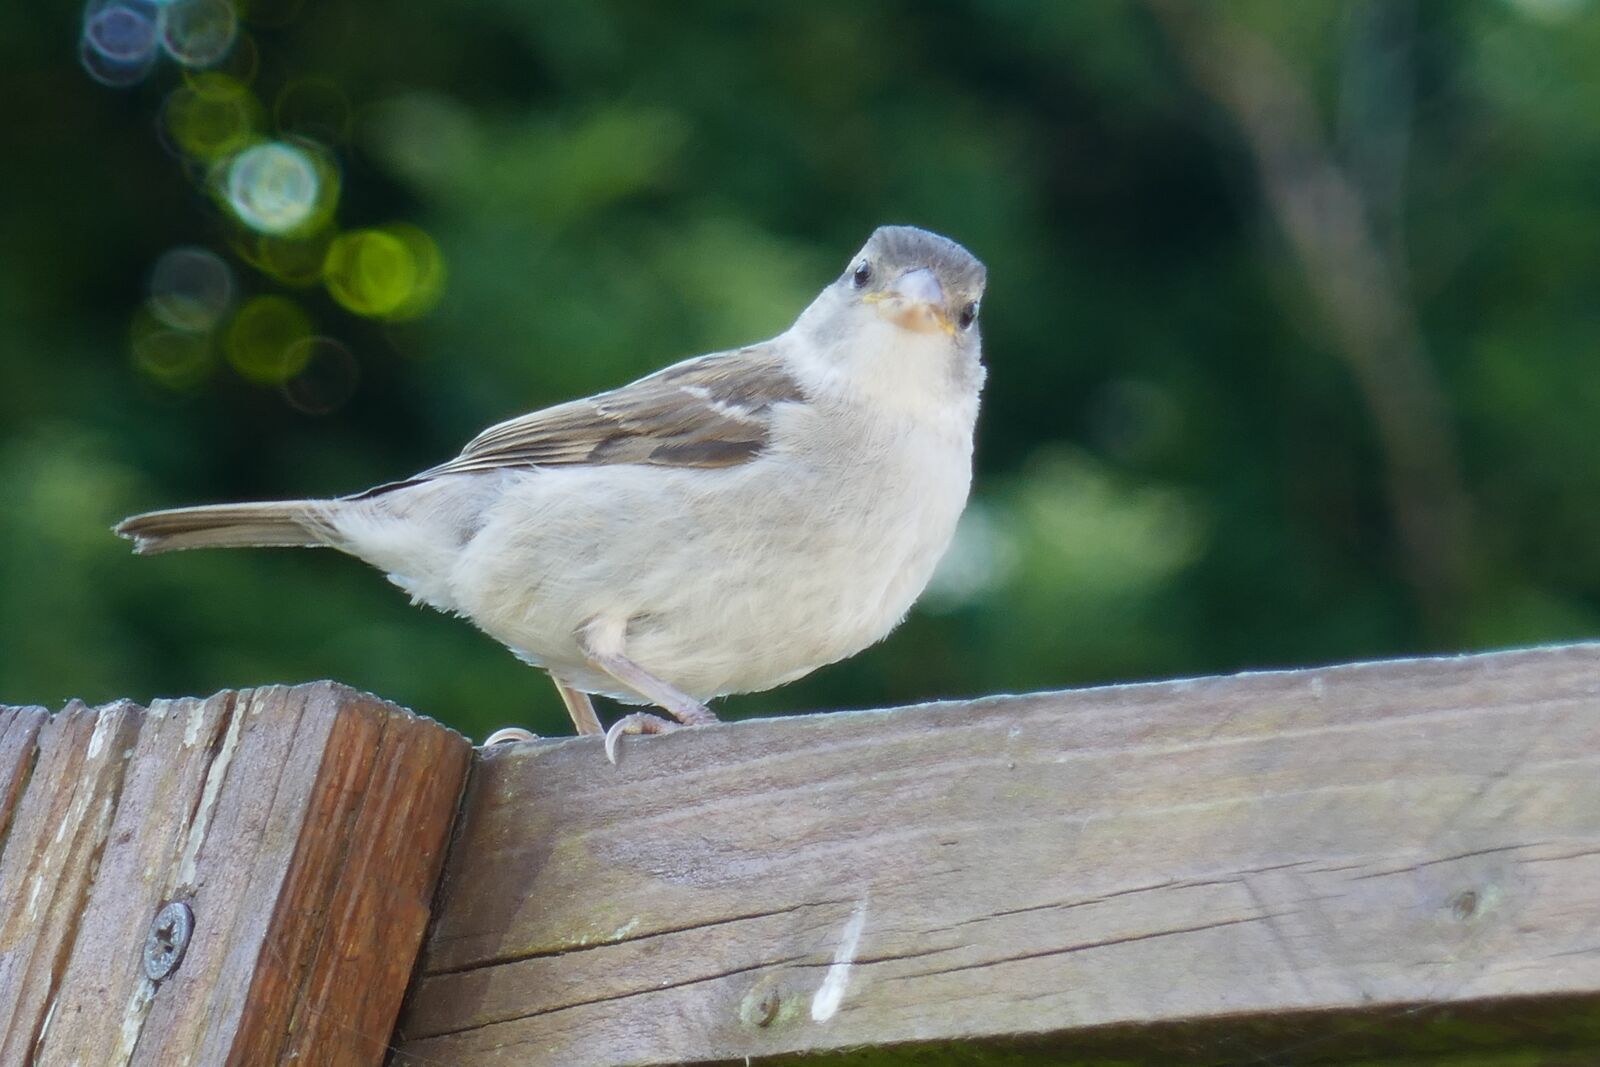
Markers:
point(969, 315)
point(861, 275)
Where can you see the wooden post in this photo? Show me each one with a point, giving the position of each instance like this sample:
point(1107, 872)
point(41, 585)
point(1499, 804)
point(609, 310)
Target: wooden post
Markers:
point(1286, 868)
point(302, 827)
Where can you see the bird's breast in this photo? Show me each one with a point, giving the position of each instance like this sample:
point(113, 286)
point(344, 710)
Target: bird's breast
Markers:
point(829, 552)
point(728, 580)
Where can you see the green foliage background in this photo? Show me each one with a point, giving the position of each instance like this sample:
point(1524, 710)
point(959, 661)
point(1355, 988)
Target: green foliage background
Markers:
point(1179, 470)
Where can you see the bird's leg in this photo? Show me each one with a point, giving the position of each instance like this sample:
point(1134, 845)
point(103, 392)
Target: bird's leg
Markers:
point(681, 706)
point(602, 648)
point(579, 707)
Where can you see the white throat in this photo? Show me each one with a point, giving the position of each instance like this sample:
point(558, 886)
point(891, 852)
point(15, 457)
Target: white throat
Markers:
point(919, 374)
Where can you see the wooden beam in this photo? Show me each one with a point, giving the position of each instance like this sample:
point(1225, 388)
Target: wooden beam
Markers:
point(1245, 869)
point(304, 828)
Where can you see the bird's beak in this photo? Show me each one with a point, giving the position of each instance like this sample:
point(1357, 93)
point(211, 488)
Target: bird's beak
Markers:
point(916, 302)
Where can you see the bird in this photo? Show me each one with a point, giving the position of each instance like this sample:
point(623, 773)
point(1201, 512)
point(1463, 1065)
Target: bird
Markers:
point(725, 525)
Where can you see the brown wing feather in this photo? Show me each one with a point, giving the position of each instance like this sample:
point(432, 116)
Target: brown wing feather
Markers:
point(711, 411)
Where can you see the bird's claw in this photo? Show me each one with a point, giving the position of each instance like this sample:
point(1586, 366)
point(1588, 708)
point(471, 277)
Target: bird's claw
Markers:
point(639, 722)
point(509, 733)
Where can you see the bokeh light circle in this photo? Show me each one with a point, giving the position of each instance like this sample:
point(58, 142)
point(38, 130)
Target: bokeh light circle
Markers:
point(430, 270)
point(123, 31)
point(210, 116)
point(274, 187)
point(179, 360)
point(293, 261)
point(120, 40)
point(110, 72)
point(199, 33)
point(190, 289)
point(327, 377)
point(263, 340)
point(369, 272)
point(395, 272)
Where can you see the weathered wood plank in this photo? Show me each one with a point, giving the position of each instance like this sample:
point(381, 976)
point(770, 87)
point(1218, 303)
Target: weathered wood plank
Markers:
point(60, 826)
point(272, 880)
point(305, 828)
point(19, 743)
point(384, 898)
point(1327, 847)
point(104, 995)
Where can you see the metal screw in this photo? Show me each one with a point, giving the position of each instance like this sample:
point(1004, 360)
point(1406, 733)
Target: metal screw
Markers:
point(168, 940)
point(767, 1009)
point(763, 1004)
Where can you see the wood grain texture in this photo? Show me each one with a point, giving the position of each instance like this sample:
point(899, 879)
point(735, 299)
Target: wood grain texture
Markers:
point(19, 745)
point(305, 828)
point(386, 881)
point(51, 852)
point(1228, 853)
point(276, 874)
point(104, 995)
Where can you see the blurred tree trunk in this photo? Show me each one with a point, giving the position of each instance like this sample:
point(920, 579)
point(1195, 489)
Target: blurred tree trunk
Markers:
point(1342, 224)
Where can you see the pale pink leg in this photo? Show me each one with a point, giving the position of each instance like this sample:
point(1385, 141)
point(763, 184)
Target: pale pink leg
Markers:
point(579, 707)
point(681, 706)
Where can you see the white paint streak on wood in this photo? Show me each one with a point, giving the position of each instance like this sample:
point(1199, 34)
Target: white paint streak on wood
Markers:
point(215, 776)
point(191, 728)
point(133, 1017)
point(44, 1028)
point(105, 723)
point(830, 994)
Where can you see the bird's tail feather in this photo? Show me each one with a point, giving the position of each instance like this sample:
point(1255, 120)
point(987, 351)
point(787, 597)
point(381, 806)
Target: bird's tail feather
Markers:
point(287, 523)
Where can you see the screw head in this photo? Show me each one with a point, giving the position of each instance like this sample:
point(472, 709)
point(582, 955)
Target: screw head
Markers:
point(1464, 905)
point(168, 940)
point(763, 1004)
point(767, 1009)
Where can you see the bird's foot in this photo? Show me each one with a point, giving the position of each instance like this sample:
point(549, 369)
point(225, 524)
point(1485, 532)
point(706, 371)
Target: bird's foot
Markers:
point(688, 712)
point(639, 722)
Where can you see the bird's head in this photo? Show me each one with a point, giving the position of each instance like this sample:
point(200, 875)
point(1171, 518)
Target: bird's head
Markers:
point(907, 303)
point(918, 281)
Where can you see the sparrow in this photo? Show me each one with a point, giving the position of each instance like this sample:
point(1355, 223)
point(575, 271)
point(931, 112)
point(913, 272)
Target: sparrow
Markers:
point(725, 525)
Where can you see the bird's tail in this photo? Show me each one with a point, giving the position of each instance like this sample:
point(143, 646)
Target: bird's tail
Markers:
point(287, 523)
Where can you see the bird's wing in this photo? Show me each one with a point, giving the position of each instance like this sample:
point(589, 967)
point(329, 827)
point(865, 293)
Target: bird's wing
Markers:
point(711, 411)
